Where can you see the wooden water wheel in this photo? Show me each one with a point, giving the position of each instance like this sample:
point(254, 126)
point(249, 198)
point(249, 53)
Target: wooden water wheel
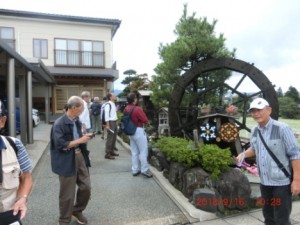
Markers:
point(207, 83)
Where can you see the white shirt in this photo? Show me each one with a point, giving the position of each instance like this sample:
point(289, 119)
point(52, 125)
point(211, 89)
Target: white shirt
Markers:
point(85, 116)
point(110, 112)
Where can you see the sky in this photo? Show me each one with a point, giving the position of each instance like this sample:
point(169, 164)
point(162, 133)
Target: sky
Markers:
point(263, 32)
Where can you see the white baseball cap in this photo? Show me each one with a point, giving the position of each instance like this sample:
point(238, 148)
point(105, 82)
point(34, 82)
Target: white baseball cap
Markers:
point(258, 103)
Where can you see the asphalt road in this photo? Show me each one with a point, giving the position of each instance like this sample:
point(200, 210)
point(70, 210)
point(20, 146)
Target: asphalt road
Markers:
point(117, 197)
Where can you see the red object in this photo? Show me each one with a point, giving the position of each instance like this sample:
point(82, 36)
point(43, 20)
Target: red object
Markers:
point(138, 116)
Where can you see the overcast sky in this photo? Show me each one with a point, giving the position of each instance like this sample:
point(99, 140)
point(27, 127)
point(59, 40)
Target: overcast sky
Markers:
point(264, 32)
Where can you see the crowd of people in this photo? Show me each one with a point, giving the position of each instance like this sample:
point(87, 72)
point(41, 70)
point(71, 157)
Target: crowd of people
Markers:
point(83, 119)
point(271, 142)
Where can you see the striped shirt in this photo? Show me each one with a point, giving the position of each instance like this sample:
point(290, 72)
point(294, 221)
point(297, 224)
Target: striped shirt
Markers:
point(23, 157)
point(289, 151)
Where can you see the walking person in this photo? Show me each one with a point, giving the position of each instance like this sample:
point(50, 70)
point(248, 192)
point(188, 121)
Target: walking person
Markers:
point(110, 118)
point(95, 116)
point(70, 160)
point(14, 189)
point(276, 185)
point(85, 115)
point(138, 141)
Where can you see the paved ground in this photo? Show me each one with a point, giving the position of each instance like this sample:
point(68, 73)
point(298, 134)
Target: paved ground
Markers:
point(124, 179)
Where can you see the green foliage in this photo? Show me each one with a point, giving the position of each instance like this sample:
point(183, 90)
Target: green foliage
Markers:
point(119, 115)
point(210, 157)
point(293, 94)
point(134, 82)
point(196, 41)
point(215, 159)
point(279, 92)
point(288, 108)
point(179, 150)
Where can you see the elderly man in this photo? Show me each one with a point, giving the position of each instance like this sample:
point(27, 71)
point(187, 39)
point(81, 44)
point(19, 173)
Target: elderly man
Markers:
point(14, 189)
point(95, 115)
point(85, 115)
point(70, 160)
point(268, 138)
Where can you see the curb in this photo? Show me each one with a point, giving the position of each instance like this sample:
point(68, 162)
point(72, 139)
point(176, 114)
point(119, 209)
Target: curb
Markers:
point(193, 214)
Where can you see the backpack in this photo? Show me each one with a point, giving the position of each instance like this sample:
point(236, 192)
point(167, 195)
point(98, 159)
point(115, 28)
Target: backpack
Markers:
point(96, 108)
point(103, 112)
point(127, 126)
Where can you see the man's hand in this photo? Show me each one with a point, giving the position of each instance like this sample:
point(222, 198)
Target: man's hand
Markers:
point(240, 158)
point(295, 187)
point(21, 206)
point(85, 138)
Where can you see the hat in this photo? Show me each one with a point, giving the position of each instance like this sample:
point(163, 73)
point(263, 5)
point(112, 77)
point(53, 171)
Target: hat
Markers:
point(258, 103)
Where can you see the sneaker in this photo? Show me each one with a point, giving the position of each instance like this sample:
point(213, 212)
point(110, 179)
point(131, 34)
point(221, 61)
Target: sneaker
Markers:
point(135, 174)
point(147, 174)
point(81, 219)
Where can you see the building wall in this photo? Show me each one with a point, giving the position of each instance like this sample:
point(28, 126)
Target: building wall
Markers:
point(27, 29)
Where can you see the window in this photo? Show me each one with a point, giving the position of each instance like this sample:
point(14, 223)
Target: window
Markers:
point(7, 35)
point(40, 48)
point(79, 53)
point(73, 52)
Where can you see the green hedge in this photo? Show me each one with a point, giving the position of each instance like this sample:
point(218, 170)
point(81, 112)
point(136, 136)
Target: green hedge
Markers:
point(210, 157)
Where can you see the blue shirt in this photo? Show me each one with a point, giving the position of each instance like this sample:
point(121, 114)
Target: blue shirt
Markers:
point(22, 156)
point(282, 142)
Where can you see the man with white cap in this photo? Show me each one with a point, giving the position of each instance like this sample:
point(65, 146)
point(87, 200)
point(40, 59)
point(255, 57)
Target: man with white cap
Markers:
point(275, 177)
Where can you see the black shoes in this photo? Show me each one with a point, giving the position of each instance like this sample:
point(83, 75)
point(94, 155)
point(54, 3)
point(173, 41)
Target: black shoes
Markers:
point(135, 174)
point(147, 174)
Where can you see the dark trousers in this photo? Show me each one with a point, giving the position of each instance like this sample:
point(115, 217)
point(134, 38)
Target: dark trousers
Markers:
point(68, 191)
point(8, 218)
point(111, 137)
point(277, 205)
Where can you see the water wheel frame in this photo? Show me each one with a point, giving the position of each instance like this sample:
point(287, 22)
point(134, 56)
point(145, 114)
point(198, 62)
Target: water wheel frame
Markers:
point(267, 91)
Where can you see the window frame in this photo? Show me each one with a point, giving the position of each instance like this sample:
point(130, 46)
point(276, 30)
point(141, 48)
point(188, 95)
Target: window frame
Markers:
point(10, 41)
point(88, 54)
point(41, 48)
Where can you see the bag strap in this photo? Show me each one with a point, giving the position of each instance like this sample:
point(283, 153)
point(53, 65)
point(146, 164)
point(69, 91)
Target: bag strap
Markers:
point(279, 164)
point(12, 143)
point(131, 110)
